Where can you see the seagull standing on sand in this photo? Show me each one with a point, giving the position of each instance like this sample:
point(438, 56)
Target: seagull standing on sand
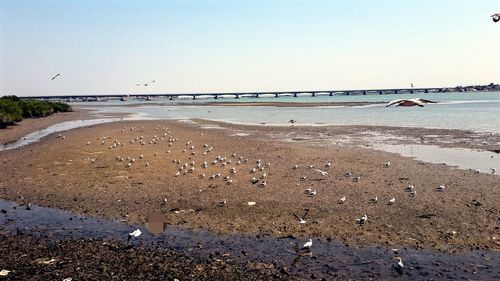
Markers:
point(341, 200)
point(399, 266)
point(307, 245)
point(362, 220)
point(391, 201)
point(323, 173)
point(134, 234)
point(410, 102)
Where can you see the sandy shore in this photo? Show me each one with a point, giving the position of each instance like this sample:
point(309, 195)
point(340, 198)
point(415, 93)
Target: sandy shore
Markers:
point(60, 173)
point(28, 125)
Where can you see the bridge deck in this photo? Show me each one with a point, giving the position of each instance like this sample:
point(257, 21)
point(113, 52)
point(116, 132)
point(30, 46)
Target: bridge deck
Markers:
point(251, 94)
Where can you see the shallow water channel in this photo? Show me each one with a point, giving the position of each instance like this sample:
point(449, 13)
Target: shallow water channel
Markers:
point(328, 259)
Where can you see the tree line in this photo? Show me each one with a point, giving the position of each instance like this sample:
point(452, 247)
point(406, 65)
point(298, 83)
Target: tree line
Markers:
point(14, 109)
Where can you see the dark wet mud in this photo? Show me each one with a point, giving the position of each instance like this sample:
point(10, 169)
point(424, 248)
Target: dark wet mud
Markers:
point(327, 260)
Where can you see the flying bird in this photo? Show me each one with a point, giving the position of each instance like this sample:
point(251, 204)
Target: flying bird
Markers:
point(495, 17)
point(56, 76)
point(302, 220)
point(410, 102)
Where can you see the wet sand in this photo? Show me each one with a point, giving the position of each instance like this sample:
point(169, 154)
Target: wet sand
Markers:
point(28, 125)
point(41, 258)
point(60, 173)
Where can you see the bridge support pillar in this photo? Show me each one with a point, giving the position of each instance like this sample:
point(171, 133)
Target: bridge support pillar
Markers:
point(313, 94)
point(426, 91)
point(194, 97)
point(347, 93)
point(396, 91)
point(294, 95)
point(381, 92)
point(216, 96)
point(364, 93)
point(331, 94)
point(275, 95)
point(411, 92)
point(257, 95)
point(237, 96)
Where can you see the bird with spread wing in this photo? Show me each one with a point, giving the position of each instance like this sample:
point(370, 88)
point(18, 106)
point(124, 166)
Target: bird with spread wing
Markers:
point(410, 102)
point(495, 17)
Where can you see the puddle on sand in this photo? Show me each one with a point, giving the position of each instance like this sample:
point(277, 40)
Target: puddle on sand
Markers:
point(459, 157)
point(329, 259)
point(64, 126)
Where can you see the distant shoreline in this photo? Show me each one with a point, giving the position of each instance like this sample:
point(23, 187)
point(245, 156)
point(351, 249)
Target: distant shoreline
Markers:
point(276, 104)
point(290, 104)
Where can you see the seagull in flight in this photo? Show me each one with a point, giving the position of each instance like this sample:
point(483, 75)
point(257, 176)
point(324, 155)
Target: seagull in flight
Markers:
point(55, 76)
point(495, 17)
point(302, 220)
point(410, 102)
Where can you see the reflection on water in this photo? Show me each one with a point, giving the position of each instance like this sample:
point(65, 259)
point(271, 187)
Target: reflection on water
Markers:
point(459, 157)
point(156, 223)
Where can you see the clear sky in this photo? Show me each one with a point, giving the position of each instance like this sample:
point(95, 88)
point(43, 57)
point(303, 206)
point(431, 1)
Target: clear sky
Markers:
point(107, 47)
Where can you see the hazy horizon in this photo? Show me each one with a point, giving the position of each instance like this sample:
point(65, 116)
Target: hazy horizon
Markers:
point(107, 47)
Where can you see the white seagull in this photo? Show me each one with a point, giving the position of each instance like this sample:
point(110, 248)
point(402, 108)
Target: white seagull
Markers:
point(495, 18)
point(307, 245)
point(302, 220)
point(323, 173)
point(134, 234)
point(341, 200)
point(410, 102)
point(392, 200)
point(362, 220)
point(441, 188)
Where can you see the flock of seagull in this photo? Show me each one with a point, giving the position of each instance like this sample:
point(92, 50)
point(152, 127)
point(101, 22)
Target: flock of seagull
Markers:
point(230, 166)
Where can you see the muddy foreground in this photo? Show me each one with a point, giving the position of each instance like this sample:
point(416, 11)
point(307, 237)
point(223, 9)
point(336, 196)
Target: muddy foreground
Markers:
point(87, 178)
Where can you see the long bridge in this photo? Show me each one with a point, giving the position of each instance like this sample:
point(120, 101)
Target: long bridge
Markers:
point(238, 95)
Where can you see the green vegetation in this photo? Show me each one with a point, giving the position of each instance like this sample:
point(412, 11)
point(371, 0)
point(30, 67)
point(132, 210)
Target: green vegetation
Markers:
point(13, 109)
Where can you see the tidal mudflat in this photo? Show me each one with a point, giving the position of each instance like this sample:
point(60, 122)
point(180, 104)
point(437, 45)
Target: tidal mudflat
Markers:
point(206, 176)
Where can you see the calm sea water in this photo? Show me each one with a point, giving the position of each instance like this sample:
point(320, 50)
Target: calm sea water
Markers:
point(477, 111)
